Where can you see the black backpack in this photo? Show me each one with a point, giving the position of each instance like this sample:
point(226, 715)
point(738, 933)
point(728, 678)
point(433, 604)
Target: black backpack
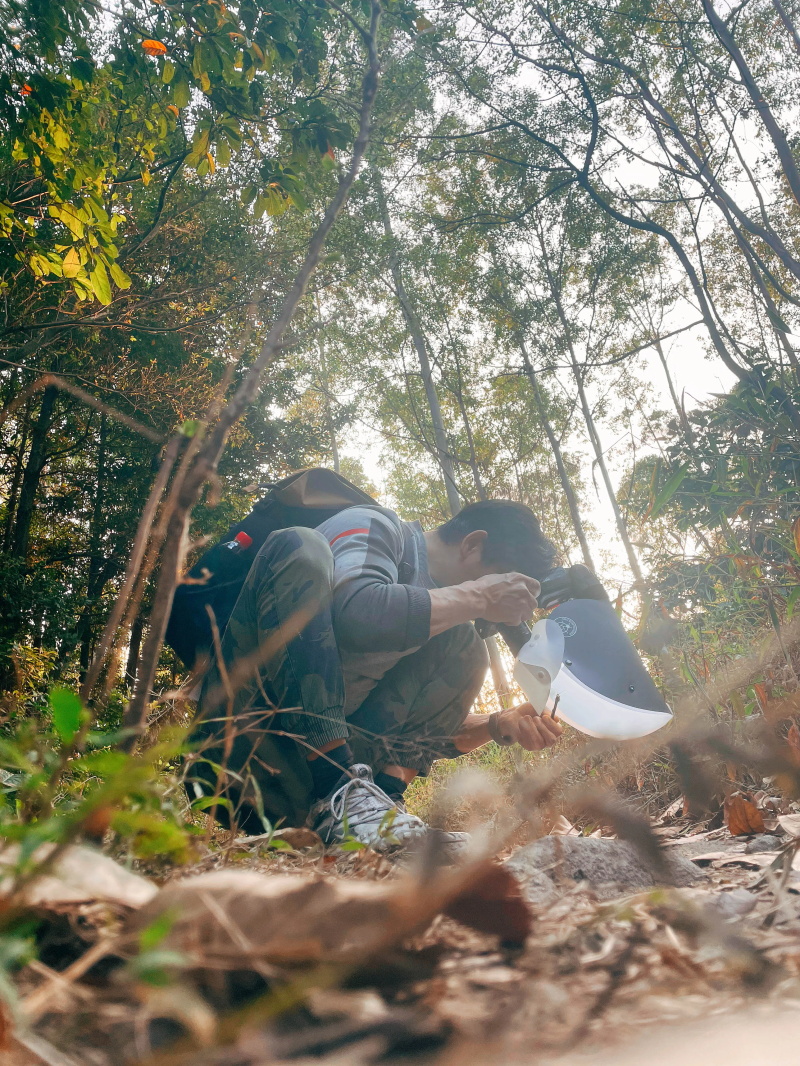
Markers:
point(305, 498)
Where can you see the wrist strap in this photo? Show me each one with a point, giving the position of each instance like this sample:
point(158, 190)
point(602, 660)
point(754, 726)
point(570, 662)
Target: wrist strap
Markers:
point(495, 731)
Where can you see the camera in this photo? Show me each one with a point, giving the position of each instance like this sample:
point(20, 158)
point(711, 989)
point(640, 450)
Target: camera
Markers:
point(559, 585)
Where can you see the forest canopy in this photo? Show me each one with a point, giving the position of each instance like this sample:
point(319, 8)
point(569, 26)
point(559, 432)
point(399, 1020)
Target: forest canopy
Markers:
point(562, 217)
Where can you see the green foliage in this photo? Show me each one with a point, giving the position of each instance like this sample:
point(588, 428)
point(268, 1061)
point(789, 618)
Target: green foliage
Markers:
point(92, 106)
point(67, 712)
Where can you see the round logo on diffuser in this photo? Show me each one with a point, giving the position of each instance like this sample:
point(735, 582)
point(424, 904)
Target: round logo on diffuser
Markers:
point(567, 626)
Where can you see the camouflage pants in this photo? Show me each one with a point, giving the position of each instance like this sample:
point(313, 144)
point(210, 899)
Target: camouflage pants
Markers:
point(279, 692)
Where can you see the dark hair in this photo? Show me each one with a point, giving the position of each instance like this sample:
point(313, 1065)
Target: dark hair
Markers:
point(515, 540)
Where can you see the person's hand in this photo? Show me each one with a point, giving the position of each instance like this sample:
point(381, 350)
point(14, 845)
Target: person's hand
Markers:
point(506, 598)
point(528, 728)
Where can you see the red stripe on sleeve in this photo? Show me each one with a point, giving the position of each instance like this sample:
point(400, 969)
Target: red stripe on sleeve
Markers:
point(348, 533)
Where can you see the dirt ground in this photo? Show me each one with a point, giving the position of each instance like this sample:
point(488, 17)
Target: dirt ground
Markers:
point(670, 974)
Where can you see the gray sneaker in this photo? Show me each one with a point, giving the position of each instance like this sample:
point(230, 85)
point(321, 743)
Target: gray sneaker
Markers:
point(359, 810)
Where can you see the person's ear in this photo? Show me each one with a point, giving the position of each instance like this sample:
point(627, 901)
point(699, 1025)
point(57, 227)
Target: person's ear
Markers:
point(471, 550)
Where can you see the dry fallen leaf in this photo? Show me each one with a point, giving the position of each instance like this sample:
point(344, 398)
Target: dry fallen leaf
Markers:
point(228, 917)
point(742, 816)
point(790, 823)
point(296, 837)
point(79, 875)
point(562, 827)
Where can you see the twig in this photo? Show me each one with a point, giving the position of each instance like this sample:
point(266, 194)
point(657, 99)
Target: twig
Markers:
point(134, 564)
point(37, 1003)
point(74, 390)
point(205, 462)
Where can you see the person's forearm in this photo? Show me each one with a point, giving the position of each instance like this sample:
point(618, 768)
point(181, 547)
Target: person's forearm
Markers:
point(474, 733)
point(453, 605)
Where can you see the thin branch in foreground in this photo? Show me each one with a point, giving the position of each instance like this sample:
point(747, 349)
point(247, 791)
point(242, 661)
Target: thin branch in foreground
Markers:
point(204, 465)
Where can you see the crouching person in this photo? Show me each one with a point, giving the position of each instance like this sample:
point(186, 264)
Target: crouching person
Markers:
point(350, 664)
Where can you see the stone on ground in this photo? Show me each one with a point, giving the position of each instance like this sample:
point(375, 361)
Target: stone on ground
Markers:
point(609, 867)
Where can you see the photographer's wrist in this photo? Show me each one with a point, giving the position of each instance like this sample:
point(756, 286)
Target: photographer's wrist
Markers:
point(498, 729)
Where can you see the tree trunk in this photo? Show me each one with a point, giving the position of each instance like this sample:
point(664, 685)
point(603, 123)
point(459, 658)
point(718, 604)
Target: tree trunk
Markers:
point(134, 651)
point(496, 665)
point(37, 458)
point(326, 399)
point(13, 494)
point(619, 518)
point(555, 447)
point(96, 577)
point(788, 25)
point(442, 450)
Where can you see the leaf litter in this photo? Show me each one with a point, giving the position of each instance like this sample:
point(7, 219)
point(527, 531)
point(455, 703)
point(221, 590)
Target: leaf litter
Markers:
point(297, 955)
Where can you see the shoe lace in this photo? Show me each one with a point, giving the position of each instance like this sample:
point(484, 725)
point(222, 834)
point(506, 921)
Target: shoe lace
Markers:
point(356, 790)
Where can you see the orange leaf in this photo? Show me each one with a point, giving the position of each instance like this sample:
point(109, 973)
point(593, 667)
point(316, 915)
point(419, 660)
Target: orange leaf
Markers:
point(26, 90)
point(173, 109)
point(796, 534)
point(97, 822)
point(154, 48)
point(761, 692)
point(793, 740)
point(742, 816)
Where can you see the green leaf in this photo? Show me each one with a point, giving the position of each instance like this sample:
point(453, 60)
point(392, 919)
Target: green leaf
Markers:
point(352, 845)
point(72, 263)
point(223, 152)
point(190, 427)
point(298, 200)
point(67, 712)
point(181, 93)
point(666, 493)
point(121, 279)
point(207, 802)
point(168, 73)
point(101, 286)
point(152, 966)
point(791, 602)
point(152, 935)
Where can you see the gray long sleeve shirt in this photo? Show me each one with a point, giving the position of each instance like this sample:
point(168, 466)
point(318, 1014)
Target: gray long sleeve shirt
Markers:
point(381, 603)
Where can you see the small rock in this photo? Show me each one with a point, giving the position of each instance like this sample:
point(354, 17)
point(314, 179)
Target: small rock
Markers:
point(610, 867)
point(764, 842)
point(735, 904)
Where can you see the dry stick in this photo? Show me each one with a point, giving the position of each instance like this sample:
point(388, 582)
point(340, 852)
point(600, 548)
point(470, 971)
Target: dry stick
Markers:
point(53, 379)
point(228, 724)
point(159, 531)
point(134, 563)
point(208, 455)
point(149, 540)
point(35, 1005)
